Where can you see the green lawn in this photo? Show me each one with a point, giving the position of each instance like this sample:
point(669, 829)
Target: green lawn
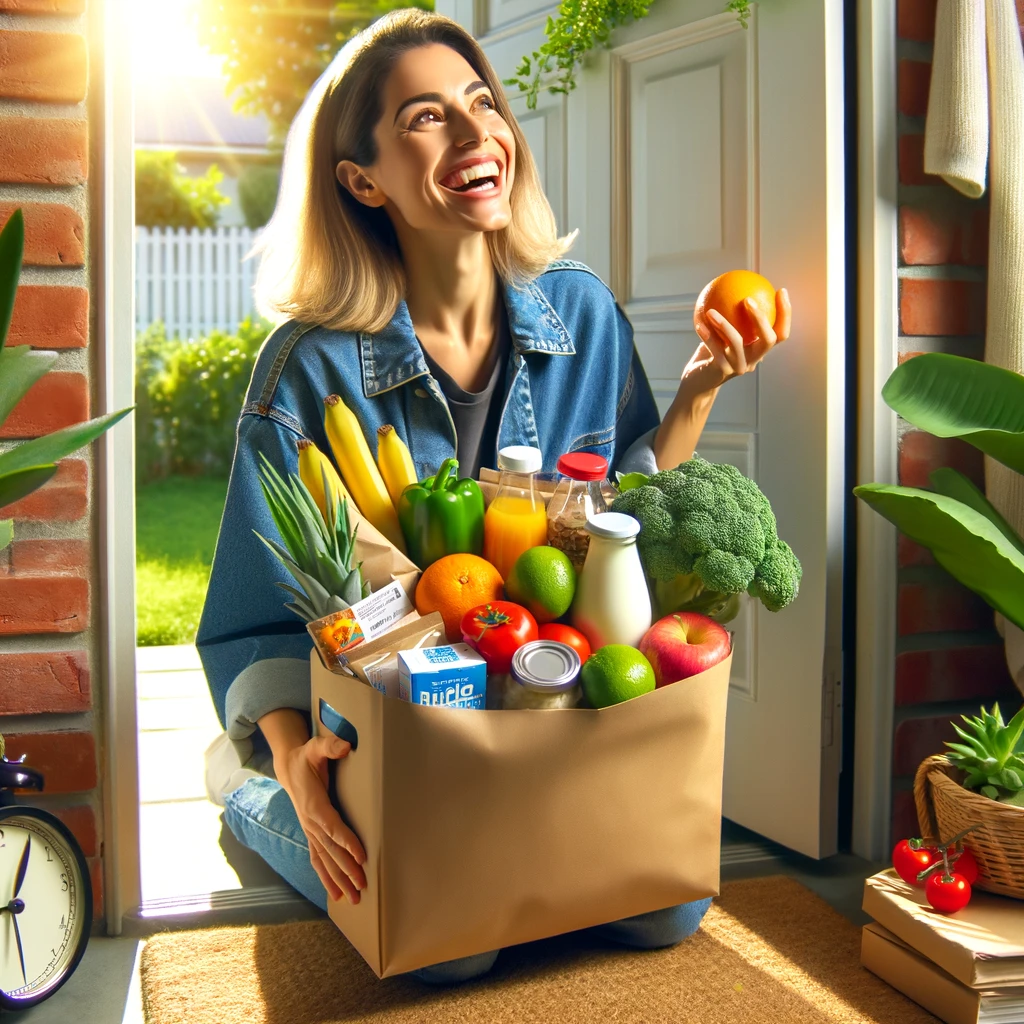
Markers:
point(176, 523)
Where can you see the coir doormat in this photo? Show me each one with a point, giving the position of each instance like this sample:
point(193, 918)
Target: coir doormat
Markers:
point(768, 951)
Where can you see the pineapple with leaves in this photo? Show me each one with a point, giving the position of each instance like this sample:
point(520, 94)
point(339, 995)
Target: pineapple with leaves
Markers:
point(992, 755)
point(318, 548)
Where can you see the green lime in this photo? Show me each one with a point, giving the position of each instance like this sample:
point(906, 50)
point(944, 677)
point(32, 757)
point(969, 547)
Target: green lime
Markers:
point(615, 673)
point(543, 581)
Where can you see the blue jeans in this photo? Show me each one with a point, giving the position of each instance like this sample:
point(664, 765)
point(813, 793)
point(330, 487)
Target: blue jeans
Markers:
point(261, 815)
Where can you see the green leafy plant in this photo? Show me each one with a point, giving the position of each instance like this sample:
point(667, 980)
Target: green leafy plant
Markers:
point(28, 465)
point(257, 193)
point(579, 26)
point(165, 196)
point(189, 394)
point(951, 396)
point(992, 755)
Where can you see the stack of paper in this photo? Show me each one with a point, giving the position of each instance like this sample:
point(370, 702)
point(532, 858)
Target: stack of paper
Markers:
point(966, 968)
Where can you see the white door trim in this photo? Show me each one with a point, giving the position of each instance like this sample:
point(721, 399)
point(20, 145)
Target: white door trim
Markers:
point(877, 456)
point(113, 122)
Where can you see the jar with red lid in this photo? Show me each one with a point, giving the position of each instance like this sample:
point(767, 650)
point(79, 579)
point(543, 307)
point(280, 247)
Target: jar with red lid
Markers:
point(582, 492)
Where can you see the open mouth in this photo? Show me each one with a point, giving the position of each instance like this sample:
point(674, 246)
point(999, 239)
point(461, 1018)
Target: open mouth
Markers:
point(485, 177)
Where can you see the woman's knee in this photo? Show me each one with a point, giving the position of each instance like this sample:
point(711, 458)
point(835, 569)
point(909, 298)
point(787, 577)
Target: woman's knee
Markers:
point(658, 928)
point(261, 816)
point(452, 972)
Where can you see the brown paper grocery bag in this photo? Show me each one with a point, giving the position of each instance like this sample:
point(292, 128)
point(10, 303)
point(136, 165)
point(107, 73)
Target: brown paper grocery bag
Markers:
point(485, 829)
point(382, 561)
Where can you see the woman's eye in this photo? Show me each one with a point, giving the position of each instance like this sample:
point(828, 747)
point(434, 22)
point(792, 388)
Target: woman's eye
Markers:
point(420, 116)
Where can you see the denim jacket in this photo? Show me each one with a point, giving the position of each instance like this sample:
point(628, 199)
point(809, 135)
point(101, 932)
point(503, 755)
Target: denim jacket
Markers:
point(574, 382)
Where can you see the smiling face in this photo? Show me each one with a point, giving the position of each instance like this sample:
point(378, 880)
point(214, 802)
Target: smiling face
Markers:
point(445, 156)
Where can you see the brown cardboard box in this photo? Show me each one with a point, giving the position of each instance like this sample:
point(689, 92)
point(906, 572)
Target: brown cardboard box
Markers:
point(485, 829)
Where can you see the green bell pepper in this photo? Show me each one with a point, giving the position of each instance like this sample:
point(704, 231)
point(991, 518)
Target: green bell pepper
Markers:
point(442, 516)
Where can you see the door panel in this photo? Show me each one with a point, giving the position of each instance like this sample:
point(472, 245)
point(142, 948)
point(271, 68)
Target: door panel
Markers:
point(692, 147)
point(696, 81)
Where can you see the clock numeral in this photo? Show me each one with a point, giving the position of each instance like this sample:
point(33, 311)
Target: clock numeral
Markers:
point(63, 882)
point(62, 922)
point(53, 953)
point(49, 859)
point(1, 837)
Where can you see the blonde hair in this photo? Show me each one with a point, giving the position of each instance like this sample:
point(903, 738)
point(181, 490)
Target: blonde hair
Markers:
point(328, 259)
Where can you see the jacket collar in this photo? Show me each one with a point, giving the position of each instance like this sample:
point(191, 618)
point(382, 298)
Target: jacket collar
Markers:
point(393, 357)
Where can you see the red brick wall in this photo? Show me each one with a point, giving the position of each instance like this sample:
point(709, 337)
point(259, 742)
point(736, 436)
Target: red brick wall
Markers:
point(949, 658)
point(48, 638)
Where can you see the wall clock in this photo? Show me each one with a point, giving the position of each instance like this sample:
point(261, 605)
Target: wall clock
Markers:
point(45, 896)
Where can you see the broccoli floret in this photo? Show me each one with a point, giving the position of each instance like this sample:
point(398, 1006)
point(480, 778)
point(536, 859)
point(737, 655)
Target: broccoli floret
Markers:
point(724, 571)
point(777, 579)
point(708, 522)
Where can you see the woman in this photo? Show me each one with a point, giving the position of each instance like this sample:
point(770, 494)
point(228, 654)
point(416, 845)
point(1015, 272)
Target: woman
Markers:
point(431, 296)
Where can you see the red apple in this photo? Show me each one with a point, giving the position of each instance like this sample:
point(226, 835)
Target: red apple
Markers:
point(683, 645)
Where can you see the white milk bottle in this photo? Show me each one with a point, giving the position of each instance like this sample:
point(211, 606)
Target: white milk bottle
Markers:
point(612, 605)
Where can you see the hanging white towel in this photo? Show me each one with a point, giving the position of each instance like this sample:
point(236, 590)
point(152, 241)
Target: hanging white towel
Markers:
point(976, 116)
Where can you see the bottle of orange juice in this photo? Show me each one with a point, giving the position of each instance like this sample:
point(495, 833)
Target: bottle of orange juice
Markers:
point(516, 519)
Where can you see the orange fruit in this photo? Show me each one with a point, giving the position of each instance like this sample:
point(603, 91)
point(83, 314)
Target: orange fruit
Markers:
point(727, 293)
point(454, 584)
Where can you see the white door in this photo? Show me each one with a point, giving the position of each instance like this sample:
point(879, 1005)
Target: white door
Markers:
point(692, 147)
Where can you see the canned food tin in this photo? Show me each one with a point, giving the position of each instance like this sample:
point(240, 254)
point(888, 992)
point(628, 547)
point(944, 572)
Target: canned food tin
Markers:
point(545, 674)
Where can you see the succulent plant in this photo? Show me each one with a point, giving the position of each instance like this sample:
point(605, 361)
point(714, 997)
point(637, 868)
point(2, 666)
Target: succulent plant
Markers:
point(318, 556)
point(992, 755)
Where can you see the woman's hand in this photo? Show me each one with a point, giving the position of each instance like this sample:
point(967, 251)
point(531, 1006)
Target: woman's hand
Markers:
point(722, 354)
point(336, 854)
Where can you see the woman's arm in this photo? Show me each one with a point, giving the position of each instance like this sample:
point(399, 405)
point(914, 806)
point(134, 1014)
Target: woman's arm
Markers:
point(680, 430)
point(720, 355)
point(284, 730)
point(301, 766)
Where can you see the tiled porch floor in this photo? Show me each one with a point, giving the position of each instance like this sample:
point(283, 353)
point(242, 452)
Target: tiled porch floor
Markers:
point(176, 724)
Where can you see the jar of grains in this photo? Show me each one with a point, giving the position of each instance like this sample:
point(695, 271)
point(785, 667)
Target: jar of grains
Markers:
point(583, 492)
point(545, 674)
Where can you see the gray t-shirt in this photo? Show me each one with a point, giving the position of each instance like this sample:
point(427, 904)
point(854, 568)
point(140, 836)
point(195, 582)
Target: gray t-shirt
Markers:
point(476, 414)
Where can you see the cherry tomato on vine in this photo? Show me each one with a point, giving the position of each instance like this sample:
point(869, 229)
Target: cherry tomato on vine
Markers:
point(965, 865)
point(911, 857)
point(948, 893)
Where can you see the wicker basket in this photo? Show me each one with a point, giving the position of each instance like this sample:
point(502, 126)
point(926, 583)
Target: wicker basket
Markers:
point(945, 808)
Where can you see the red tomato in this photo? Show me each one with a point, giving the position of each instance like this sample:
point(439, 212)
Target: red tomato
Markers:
point(496, 631)
point(909, 859)
point(948, 893)
point(964, 865)
point(566, 635)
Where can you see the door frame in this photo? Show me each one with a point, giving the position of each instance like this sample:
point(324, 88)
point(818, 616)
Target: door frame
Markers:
point(878, 318)
point(113, 238)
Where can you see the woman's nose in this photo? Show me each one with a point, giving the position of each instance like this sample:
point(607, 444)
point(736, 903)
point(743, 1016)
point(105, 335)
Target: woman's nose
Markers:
point(467, 128)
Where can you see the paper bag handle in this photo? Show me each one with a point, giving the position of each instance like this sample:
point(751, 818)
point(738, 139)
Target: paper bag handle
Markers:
point(337, 723)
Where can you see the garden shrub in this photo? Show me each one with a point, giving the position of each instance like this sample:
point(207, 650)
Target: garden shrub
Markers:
point(166, 197)
point(188, 396)
point(257, 193)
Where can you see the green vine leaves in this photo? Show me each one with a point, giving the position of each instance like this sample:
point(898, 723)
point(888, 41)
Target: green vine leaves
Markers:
point(580, 26)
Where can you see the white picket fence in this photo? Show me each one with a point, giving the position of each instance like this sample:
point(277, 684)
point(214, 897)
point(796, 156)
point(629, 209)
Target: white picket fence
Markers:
point(193, 280)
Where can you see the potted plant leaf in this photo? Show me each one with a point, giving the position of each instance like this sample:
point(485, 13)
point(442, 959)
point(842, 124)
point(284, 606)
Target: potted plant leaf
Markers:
point(981, 779)
point(28, 465)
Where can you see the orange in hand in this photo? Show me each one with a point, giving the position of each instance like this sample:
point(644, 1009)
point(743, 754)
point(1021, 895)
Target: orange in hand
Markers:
point(726, 294)
point(454, 584)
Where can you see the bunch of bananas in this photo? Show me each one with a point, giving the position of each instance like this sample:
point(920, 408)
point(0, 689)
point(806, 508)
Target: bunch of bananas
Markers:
point(374, 488)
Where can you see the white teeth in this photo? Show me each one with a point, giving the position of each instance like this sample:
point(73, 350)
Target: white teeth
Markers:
point(489, 169)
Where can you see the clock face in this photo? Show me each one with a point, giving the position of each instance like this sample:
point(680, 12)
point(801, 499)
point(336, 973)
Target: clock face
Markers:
point(46, 911)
